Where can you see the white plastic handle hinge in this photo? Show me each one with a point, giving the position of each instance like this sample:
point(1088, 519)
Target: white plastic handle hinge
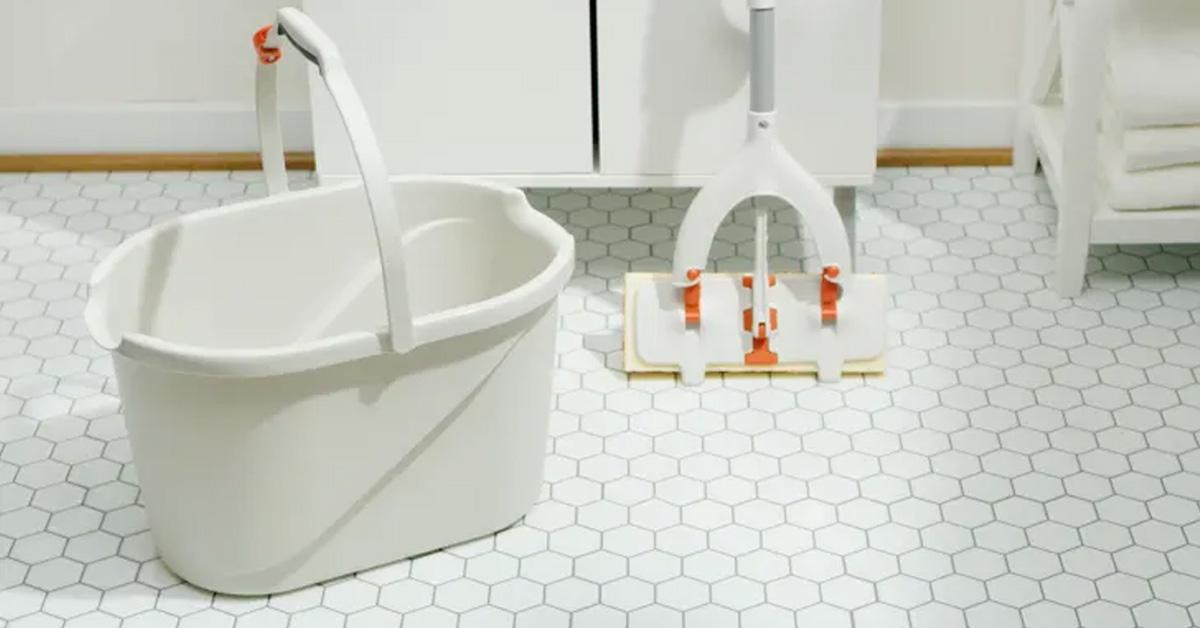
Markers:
point(305, 36)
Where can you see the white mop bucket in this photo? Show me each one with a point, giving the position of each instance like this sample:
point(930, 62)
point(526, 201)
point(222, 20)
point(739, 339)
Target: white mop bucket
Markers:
point(315, 384)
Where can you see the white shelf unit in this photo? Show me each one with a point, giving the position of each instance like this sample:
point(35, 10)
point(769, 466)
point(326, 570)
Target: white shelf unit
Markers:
point(1065, 44)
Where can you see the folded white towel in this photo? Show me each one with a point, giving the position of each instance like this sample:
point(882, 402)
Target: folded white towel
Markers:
point(1154, 58)
point(1150, 147)
point(1162, 188)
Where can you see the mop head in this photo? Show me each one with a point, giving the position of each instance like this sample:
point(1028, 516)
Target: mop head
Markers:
point(654, 326)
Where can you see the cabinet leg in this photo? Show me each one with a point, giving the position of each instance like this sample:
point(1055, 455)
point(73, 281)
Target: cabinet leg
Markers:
point(1025, 157)
point(846, 199)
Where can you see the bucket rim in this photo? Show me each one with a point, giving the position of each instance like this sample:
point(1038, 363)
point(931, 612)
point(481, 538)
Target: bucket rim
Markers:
point(537, 291)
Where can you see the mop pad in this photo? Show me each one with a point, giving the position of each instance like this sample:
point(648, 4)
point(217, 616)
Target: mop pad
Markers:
point(635, 282)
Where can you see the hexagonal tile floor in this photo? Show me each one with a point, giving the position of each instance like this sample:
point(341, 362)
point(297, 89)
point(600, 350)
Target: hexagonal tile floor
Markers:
point(1027, 460)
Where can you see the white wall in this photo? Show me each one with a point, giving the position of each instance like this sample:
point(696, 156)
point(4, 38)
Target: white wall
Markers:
point(134, 75)
point(139, 75)
point(950, 72)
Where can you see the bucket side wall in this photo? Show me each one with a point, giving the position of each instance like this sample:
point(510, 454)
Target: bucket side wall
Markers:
point(268, 484)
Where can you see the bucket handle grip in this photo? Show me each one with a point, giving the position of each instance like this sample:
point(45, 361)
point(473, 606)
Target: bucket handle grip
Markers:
point(315, 46)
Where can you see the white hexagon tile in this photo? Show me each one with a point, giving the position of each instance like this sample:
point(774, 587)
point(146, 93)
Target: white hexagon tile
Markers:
point(1025, 461)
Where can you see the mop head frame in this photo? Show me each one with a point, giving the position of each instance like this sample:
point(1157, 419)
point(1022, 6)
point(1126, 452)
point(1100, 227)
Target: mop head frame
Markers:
point(655, 328)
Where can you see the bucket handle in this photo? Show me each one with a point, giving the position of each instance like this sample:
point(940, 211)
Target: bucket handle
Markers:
point(314, 45)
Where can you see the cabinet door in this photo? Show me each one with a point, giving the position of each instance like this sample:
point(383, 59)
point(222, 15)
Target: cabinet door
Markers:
point(673, 84)
point(462, 86)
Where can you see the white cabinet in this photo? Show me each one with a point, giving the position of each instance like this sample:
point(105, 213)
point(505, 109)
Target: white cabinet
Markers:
point(504, 88)
point(673, 88)
point(462, 86)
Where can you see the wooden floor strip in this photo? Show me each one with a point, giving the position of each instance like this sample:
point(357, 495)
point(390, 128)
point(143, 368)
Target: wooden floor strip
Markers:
point(900, 157)
point(145, 161)
point(888, 158)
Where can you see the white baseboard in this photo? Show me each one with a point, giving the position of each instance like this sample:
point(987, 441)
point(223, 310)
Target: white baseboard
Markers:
point(946, 124)
point(147, 128)
point(211, 127)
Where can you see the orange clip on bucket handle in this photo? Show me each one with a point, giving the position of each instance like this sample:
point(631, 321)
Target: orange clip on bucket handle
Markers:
point(266, 56)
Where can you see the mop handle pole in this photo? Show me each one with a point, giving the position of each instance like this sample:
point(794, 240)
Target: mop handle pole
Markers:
point(762, 56)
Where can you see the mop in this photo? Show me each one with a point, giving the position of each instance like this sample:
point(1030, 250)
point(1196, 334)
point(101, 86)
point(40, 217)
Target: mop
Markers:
point(694, 322)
